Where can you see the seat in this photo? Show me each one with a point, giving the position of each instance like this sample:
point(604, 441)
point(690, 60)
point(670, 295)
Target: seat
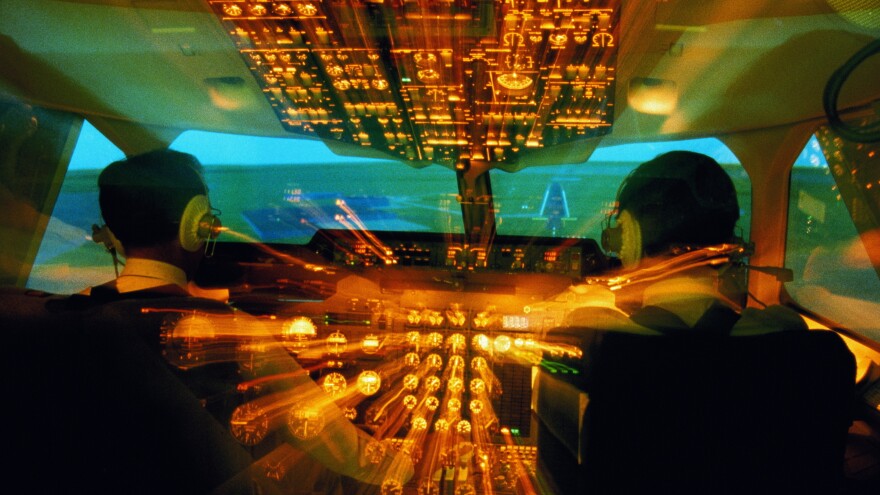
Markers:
point(697, 414)
point(93, 407)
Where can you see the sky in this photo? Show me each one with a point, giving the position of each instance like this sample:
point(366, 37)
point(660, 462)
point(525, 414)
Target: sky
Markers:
point(94, 151)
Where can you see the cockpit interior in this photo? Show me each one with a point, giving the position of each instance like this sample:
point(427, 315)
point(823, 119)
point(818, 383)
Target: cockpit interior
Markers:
point(414, 203)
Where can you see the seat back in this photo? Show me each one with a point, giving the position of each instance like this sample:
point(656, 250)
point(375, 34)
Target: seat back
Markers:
point(95, 401)
point(714, 414)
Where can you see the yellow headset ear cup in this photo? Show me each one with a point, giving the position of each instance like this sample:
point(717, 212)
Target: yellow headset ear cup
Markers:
point(630, 240)
point(196, 209)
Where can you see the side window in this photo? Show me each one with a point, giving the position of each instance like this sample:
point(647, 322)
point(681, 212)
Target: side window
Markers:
point(68, 260)
point(833, 240)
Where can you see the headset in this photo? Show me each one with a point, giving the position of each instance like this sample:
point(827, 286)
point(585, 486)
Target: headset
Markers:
point(200, 225)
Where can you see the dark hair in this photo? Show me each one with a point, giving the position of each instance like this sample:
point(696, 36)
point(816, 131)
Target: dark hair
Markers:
point(143, 197)
point(680, 198)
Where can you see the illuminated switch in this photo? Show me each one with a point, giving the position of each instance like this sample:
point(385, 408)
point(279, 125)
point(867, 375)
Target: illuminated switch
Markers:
point(446, 57)
point(317, 95)
point(583, 71)
point(302, 94)
point(289, 79)
point(600, 72)
point(389, 136)
point(306, 79)
point(323, 114)
point(401, 138)
point(554, 91)
point(323, 37)
point(577, 91)
point(570, 72)
point(498, 153)
point(349, 109)
point(410, 153)
point(429, 152)
point(364, 138)
point(371, 109)
point(604, 21)
point(392, 109)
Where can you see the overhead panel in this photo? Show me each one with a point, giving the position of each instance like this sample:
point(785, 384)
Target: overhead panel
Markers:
point(434, 81)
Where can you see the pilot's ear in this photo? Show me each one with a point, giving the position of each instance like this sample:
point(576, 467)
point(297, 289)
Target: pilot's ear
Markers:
point(630, 239)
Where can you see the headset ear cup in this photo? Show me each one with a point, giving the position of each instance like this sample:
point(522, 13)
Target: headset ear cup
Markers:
point(191, 238)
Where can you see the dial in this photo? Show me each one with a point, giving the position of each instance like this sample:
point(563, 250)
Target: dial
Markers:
point(368, 382)
point(305, 421)
point(249, 424)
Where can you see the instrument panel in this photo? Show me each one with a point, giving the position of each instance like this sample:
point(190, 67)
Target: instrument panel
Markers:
point(430, 81)
point(431, 352)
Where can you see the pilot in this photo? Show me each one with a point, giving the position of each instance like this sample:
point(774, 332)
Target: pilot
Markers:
point(158, 216)
point(674, 231)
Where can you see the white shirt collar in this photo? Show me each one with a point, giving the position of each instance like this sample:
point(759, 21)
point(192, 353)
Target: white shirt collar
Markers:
point(140, 274)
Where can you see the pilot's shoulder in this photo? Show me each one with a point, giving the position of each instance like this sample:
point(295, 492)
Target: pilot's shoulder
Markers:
point(775, 318)
point(604, 318)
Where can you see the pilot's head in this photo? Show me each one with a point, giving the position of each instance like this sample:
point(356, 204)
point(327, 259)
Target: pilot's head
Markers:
point(156, 199)
point(678, 199)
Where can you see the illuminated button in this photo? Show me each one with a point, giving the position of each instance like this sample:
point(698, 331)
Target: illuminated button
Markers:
point(432, 384)
point(455, 384)
point(282, 9)
point(514, 81)
point(434, 361)
point(419, 423)
point(480, 342)
point(456, 362)
point(410, 382)
point(478, 386)
point(232, 9)
point(435, 339)
point(306, 9)
point(258, 9)
point(411, 359)
point(479, 363)
point(502, 343)
point(374, 452)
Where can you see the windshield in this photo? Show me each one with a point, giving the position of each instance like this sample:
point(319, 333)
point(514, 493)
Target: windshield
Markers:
point(281, 191)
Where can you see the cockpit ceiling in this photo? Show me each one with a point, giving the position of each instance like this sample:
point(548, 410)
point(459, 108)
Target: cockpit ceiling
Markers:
point(442, 82)
point(511, 83)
